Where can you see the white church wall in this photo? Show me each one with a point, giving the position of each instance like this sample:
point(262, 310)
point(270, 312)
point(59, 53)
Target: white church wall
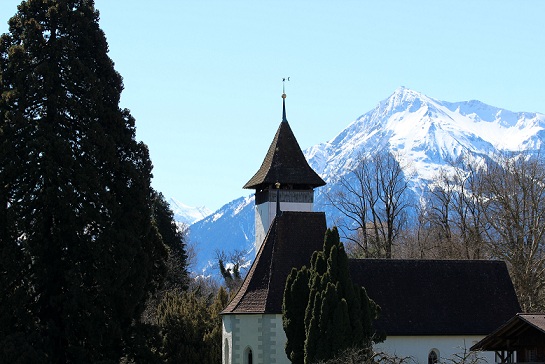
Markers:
point(227, 339)
point(262, 333)
point(419, 347)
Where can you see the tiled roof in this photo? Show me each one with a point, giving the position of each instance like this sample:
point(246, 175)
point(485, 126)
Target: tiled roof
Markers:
point(437, 297)
point(417, 297)
point(536, 320)
point(522, 330)
point(285, 163)
point(290, 242)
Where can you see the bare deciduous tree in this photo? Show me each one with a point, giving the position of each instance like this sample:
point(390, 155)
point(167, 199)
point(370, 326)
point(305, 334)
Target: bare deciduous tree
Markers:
point(372, 200)
point(231, 266)
point(453, 213)
point(465, 356)
point(493, 210)
point(359, 356)
point(513, 199)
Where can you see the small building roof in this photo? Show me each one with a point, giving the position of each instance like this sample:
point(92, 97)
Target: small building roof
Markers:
point(284, 163)
point(290, 242)
point(521, 331)
point(437, 297)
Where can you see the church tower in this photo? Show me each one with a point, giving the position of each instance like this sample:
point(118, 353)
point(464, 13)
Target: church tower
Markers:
point(284, 182)
point(288, 232)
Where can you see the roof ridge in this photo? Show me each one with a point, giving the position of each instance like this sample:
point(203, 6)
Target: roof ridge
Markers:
point(523, 317)
point(287, 245)
point(275, 224)
point(243, 289)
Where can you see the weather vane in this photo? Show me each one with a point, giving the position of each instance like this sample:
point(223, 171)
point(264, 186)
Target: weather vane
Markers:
point(284, 79)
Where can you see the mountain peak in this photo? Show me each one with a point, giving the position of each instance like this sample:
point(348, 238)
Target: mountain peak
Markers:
point(424, 134)
point(403, 92)
point(427, 132)
point(187, 214)
point(404, 99)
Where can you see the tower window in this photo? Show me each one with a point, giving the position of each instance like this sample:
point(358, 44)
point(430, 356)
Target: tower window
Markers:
point(248, 356)
point(433, 357)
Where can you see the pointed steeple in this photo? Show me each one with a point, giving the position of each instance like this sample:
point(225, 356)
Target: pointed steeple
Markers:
point(284, 162)
point(284, 119)
point(284, 182)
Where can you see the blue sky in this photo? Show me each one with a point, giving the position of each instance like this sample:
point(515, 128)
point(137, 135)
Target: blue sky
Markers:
point(204, 78)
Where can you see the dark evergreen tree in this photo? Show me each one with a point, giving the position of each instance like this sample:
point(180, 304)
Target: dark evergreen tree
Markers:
point(213, 338)
point(294, 305)
point(191, 326)
point(177, 275)
point(79, 252)
point(324, 313)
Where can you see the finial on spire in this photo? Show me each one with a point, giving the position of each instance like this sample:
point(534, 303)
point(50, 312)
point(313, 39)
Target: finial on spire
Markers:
point(284, 79)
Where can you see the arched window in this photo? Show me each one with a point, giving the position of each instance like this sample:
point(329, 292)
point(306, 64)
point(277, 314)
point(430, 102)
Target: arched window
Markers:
point(248, 356)
point(433, 356)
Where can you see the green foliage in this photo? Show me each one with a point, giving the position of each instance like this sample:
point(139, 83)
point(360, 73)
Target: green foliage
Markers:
point(214, 337)
point(324, 313)
point(190, 327)
point(296, 297)
point(177, 276)
point(79, 250)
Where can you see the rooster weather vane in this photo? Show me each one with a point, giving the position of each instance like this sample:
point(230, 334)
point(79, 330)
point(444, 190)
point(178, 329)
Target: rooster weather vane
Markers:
point(284, 79)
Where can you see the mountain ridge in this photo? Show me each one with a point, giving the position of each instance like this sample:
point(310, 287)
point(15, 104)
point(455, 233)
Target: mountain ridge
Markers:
point(425, 132)
point(187, 215)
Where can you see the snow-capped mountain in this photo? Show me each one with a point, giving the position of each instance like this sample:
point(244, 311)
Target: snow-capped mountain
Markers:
point(228, 229)
point(187, 214)
point(426, 133)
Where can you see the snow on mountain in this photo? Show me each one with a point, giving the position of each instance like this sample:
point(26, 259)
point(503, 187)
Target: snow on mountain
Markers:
point(228, 229)
point(426, 133)
point(187, 214)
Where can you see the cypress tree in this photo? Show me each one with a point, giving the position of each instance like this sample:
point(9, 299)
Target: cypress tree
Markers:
point(79, 252)
point(337, 313)
point(294, 305)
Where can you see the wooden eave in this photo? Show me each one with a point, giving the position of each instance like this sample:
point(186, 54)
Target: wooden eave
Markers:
point(514, 334)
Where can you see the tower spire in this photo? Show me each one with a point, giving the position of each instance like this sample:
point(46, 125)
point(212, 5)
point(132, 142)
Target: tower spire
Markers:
point(285, 180)
point(284, 119)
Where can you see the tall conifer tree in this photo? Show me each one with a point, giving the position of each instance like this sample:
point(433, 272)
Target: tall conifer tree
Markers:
point(176, 275)
point(79, 252)
point(324, 313)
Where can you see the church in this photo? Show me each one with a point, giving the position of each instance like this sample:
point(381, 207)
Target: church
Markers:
point(431, 310)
